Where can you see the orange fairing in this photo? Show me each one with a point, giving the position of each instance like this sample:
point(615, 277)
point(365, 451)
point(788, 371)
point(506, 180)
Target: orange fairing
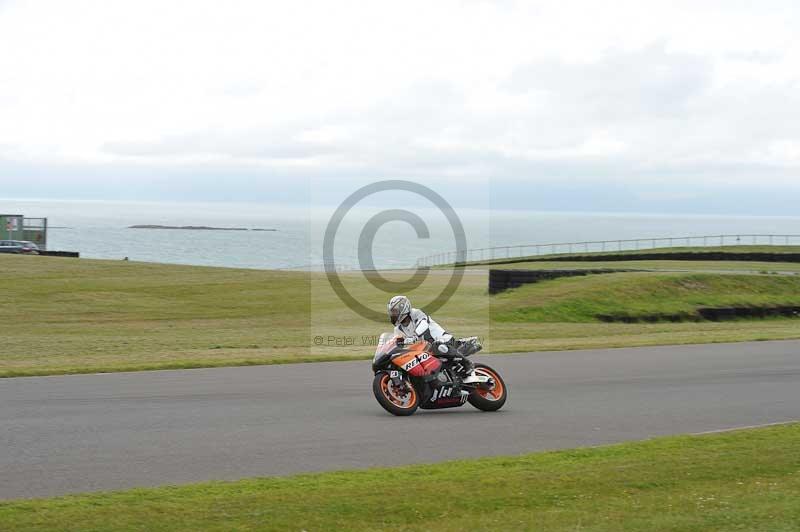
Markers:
point(417, 361)
point(418, 347)
point(403, 359)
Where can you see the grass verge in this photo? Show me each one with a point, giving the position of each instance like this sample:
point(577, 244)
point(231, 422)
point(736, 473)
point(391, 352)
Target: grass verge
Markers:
point(720, 266)
point(634, 295)
point(741, 480)
point(83, 316)
point(746, 253)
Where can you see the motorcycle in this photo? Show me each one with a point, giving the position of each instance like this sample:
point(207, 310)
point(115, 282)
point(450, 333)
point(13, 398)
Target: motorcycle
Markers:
point(409, 375)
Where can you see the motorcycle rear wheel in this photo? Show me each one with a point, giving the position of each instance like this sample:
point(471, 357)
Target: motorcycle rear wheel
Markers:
point(394, 401)
point(489, 400)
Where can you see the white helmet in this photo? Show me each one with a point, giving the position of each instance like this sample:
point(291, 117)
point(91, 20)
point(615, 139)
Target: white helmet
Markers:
point(399, 308)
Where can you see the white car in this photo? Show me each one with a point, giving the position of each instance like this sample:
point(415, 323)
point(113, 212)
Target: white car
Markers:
point(19, 247)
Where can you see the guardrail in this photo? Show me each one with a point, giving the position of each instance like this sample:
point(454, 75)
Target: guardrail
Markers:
point(635, 244)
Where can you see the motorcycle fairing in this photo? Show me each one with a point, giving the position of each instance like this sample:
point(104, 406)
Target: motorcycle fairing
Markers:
point(417, 361)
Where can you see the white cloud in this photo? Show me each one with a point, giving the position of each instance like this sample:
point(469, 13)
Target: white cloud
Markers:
point(658, 91)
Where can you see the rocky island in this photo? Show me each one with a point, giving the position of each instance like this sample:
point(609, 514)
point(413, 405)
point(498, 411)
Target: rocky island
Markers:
point(196, 228)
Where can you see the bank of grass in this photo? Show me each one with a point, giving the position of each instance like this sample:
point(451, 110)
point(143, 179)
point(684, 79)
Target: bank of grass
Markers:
point(726, 266)
point(506, 257)
point(742, 480)
point(75, 316)
point(83, 316)
point(636, 295)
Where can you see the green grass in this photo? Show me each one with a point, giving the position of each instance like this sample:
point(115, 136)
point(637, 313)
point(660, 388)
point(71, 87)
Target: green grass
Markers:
point(70, 315)
point(81, 316)
point(631, 254)
point(727, 266)
point(582, 299)
point(742, 480)
point(75, 316)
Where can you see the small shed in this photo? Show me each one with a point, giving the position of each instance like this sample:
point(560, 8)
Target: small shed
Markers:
point(17, 227)
point(12, 227)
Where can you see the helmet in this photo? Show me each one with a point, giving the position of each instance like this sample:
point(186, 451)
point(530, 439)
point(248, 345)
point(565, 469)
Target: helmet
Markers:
point(399, 308)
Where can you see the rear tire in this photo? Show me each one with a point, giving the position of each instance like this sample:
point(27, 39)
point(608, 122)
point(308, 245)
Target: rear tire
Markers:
point(392, 402)
point(489, 400)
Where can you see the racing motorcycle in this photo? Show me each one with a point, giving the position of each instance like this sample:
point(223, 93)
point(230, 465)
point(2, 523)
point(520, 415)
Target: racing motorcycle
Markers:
point(408, 375)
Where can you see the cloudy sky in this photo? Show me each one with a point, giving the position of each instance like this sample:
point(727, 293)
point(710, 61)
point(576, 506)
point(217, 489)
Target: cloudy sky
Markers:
point(668, 106)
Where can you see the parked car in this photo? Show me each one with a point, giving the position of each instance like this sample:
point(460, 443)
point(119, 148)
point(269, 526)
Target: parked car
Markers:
point(18, 246)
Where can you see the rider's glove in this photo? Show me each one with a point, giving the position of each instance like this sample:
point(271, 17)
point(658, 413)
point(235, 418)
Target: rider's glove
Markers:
point(446, 345)
point(407, 340)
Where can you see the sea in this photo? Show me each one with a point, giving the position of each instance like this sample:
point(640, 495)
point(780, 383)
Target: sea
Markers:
point(101, 230)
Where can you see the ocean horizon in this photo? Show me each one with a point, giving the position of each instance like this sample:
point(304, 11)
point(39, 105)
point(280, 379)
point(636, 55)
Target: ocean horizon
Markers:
point(100, 229)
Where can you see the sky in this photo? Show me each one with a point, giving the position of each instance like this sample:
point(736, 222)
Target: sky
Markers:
point(589, 106)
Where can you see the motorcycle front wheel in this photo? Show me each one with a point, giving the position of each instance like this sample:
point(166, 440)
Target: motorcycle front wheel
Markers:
point(487, 398)
point(400, 401)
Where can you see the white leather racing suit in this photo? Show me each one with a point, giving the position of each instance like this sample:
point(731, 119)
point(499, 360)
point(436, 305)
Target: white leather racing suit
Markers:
point(435, 332)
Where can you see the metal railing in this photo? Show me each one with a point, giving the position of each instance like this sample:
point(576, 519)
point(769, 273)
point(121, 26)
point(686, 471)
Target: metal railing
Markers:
point(35, 230)
point(635, 244)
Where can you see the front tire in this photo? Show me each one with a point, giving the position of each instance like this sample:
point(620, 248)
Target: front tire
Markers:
point(489, 399)
point(397, 402)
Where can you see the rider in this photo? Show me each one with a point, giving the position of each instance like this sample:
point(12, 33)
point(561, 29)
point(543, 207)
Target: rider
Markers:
point(406, 320)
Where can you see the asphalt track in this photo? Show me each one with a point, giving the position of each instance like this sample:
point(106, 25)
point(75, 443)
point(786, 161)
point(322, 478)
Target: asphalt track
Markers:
point(99, 432)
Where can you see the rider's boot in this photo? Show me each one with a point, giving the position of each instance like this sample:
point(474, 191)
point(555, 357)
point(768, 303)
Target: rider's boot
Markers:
point(471, 377)
point(463, 366)
point(467, 368)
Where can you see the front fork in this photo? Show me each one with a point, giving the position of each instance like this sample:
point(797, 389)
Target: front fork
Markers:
point(397, 379)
